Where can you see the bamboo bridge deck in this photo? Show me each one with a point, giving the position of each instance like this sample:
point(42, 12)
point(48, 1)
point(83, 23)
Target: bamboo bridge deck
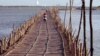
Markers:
point(37, 37)
point(41, 40)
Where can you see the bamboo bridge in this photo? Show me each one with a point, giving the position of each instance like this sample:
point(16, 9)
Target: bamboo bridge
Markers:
point(39, 38)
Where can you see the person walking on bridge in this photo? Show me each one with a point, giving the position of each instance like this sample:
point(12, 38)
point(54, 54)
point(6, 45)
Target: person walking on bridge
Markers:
point(45, 16)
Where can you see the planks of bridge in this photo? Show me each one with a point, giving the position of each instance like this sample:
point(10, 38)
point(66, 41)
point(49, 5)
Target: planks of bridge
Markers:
point(41, 40)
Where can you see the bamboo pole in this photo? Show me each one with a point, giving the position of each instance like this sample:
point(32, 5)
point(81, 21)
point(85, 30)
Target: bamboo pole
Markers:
point(77, 37)
point(0, 46)
point(81, 51)
point(91, 29)
point(65, 15)
point(1, 51)
point(84, 27)
point(4, 44)
point(70, 19)
point(79, 29)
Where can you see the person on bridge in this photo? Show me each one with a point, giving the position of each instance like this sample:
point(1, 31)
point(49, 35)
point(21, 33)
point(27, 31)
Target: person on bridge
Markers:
point(45, 17)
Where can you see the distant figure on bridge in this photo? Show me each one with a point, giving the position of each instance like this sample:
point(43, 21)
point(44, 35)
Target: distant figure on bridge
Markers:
point(45, 16)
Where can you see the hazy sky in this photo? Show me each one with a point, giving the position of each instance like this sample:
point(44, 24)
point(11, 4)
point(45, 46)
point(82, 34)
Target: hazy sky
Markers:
point(44, 2)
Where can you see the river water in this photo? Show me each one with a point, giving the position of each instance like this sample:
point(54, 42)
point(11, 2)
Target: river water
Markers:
point(10, 16)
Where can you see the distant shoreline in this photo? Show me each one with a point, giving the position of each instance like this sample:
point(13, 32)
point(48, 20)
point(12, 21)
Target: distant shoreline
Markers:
point(59, 7)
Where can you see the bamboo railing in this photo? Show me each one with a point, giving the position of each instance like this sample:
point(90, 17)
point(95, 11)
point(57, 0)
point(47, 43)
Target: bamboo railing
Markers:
point(71, 45)
point(18, 34)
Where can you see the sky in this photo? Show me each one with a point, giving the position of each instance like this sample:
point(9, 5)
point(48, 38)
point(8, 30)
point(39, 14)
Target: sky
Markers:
point(44, 2)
